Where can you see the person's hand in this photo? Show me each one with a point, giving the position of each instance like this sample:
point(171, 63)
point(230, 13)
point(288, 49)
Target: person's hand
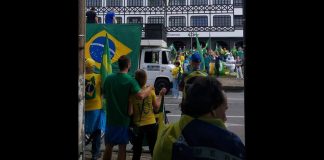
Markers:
point(162, 91)
point(150, 86)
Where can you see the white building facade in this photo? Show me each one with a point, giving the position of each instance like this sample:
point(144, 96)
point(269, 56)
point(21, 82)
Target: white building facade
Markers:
point(221, 20)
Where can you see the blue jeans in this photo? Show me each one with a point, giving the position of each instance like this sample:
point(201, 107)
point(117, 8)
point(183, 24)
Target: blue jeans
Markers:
point(175, 87)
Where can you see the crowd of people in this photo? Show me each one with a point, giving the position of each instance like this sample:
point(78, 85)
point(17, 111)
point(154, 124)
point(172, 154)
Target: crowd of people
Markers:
point(130, 102)
point(131, 107)
point(216, 63)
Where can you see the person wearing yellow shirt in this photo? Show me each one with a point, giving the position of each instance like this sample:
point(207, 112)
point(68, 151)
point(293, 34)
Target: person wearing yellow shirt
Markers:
point(182, 57)
point(143, 115)
point(94, 115)
point(200, 133)
point(176, 74)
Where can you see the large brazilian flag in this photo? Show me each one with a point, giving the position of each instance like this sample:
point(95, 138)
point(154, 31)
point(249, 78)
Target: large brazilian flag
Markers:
point(124, 39)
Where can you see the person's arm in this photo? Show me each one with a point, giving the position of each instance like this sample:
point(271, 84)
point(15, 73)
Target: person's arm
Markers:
point(143, 93)
point(115, 20)
point(96, 18)
point(157, 102)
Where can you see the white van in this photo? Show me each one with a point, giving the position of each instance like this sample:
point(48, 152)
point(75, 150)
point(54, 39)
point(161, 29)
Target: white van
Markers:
point(155, 60)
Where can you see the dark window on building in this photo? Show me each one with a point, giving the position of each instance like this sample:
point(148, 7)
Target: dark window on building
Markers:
point(93, 3)
point(238, 22)
point(199, 21)
point(151, 57)
point(119, 20)
point(114, 3)
point(177, 2)
point(154, 2)
point(164, 58)
point(156, 20)
point(222, 21)
point(198, 2)
point(134, 19)
point(238, 3)
point(177, 21)
point(221, 2)
point(135, 3)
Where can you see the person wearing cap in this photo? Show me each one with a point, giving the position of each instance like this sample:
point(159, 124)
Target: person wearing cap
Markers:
point(200, 132)
point(194, 72)
point(94, 114)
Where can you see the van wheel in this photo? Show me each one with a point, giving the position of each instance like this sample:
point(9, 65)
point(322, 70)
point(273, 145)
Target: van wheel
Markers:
point(160, 83)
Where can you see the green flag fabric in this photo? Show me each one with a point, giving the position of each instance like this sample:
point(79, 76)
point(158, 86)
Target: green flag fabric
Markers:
point(200, 51)
point(123, 39)
point(105, 67)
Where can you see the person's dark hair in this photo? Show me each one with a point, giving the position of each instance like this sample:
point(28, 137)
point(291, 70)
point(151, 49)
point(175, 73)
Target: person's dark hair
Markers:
point(92, 8)
point(123, 62)
point(177, 63)
point(203, 96)
point(141, 77)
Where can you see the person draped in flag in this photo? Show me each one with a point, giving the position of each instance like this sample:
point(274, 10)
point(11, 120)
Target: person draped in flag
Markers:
point(201, 132)
point(94, 114)
point(143, 115)
point(117, 89)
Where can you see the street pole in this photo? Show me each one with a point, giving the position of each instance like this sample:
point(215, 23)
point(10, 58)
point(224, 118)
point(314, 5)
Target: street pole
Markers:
point(209, 40)
point(191, 34)
point(81, 40)
point(165, 17)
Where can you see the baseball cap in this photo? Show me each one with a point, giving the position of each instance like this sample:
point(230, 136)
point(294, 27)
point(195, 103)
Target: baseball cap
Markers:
point(196, 57)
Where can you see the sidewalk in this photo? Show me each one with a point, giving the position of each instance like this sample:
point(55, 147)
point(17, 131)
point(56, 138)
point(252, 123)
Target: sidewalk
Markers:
point(129, 153)
point(129, 156)
point(232, 84)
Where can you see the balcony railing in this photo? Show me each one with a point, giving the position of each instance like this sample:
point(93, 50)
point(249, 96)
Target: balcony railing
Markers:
point(153, 10)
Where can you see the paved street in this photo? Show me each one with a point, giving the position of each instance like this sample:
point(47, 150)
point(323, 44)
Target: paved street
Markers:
point(235, 119)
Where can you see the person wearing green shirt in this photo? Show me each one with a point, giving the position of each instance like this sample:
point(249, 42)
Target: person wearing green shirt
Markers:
point(117, 89)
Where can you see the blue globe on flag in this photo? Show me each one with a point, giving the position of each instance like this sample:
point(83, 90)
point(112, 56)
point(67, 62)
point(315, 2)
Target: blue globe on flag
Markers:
point(97, 49)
